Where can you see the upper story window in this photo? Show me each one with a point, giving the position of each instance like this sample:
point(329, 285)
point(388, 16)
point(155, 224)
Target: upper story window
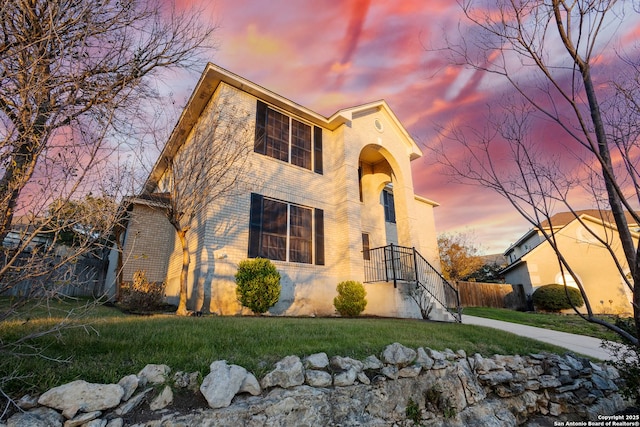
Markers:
point(287, 139)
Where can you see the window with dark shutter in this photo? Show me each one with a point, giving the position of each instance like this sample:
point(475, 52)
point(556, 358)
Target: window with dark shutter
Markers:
point(366, 255)
point(261, 120)
point(319, 229)
point(255, 225)
point(317, 150)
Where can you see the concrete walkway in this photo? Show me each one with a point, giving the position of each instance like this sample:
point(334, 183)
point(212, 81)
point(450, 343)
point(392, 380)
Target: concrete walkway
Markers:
point(581, 344)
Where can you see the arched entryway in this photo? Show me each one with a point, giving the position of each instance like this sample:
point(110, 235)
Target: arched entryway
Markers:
point(383, 206)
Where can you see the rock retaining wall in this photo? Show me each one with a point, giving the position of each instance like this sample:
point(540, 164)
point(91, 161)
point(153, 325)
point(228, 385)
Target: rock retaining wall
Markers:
point(400, 387)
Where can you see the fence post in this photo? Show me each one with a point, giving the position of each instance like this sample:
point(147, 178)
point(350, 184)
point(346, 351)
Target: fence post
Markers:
point(415, 266)
point(386, 263)
point(393, 266)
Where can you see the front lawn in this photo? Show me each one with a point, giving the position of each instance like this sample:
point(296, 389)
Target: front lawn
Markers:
point(571, 323)
point(110, 345)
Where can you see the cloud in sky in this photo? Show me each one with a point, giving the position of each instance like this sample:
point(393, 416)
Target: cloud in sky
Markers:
point(328, 55)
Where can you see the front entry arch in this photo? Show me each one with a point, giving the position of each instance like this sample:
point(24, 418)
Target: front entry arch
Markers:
point(384, 203)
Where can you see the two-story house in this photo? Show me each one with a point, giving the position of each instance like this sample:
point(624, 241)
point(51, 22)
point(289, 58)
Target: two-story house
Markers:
point(532, 261)
point(321, 194)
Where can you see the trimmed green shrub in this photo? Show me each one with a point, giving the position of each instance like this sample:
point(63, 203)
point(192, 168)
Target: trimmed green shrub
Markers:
point(141, 296)
point(351, 298)
point(258, 284)
point(554, 298)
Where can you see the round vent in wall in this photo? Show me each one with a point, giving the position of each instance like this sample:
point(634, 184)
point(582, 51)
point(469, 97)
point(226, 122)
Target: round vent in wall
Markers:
point(378, 124)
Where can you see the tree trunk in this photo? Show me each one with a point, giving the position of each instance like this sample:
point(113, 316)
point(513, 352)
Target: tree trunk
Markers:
point(632, 254)
point(184, 273)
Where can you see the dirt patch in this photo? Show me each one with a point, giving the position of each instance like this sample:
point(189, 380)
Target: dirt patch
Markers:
point(184, 402)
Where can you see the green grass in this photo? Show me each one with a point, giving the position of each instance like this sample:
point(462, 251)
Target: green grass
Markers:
point(113, 344)
point(571, 323)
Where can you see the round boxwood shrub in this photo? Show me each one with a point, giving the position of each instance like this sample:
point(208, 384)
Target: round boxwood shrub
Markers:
point(351, 298)
point(258, 284)
point(554, 298)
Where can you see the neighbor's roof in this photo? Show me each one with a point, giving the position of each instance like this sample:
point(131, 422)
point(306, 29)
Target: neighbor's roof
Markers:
point(563, 218)
point(154, 200)
point(213, 75)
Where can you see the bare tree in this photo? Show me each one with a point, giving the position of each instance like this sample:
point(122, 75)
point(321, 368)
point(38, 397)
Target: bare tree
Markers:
point(208, 167)
point(554, 54)
point(77, 78)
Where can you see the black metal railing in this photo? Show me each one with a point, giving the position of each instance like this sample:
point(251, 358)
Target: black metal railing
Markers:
point(393, 263)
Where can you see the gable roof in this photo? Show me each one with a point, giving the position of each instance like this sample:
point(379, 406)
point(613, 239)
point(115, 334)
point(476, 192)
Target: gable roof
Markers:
point(563, 218)
point(211, 78)
point(560, 220)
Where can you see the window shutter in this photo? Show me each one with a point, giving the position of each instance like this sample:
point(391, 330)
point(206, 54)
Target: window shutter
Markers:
point(255, 225)
point(366, 255)
point(259, 145)
point(317, 150)
point(319, 225)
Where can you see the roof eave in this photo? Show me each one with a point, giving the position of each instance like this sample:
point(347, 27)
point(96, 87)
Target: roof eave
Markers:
point(211, 78)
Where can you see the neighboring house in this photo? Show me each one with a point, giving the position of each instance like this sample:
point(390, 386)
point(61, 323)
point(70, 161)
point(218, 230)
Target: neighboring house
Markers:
point(321, 194)
point(25, 228)
point(533, 263)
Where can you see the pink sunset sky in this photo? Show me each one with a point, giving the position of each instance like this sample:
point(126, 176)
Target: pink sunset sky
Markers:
point(333, 54)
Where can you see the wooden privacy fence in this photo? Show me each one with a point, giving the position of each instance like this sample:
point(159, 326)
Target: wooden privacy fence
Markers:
point(476, 294)
point(83, 278)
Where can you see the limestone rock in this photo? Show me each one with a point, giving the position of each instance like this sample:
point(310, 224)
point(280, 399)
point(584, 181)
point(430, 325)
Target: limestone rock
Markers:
point(449, 354)
point(288, 373)
point(390, 371)
point(82, 419)
point(339, 363)
point(439, 359)
point(514, 363)
point(483, 365)
point(82, 396)
point(37, 417)
point(223, 383)
point(317, 378)
point(186, 380)
point(134, 401)
point(397, 354)
point(164, 399)
point(372, 363)
point(496, 377)
point(473, 391)
point(423, 359)
point(409, 371)
point(250, 385)
point(316, 361)
point(153, 374)
point(116, 422)
point(345, 378)
point(548, 381)
point(363, 378)
point(603, 383)
point(129, 384)
point(27, 402)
